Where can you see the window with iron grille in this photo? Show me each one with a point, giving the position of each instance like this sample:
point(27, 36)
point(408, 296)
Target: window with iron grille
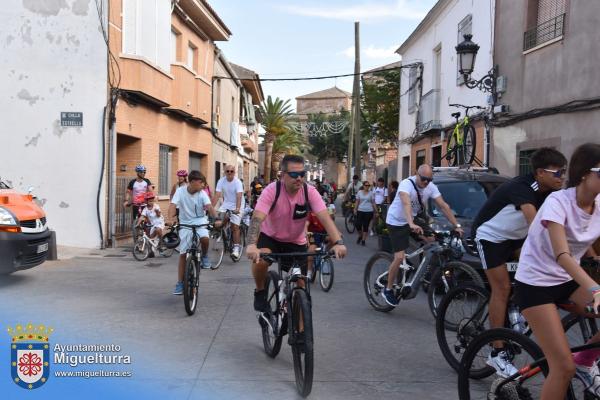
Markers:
point(165, 157)
point(464, 28)
point(550, 23)
point(525, 161)
point(420, 158)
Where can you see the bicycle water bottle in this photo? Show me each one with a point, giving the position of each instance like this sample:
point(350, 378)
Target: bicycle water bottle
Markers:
point(296, 271)
point(513, 317)
point(282, 290)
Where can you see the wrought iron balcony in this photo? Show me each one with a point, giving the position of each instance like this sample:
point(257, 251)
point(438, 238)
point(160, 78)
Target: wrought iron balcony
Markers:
point(544, 32)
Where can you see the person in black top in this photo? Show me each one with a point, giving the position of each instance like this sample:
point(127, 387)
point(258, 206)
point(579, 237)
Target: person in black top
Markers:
point(501, 227)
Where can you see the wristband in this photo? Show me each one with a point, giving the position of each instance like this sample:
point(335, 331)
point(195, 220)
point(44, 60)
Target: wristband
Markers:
point(594, 289)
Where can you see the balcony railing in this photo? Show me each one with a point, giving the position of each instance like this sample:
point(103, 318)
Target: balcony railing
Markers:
point(544, 32)
point(429, 112)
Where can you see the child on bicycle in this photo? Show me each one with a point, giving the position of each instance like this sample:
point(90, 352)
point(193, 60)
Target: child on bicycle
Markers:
point(563, 230)
point(152, 216)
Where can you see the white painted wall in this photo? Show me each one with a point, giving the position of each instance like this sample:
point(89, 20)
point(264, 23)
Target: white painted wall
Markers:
point(53, 59)
point(443, 30)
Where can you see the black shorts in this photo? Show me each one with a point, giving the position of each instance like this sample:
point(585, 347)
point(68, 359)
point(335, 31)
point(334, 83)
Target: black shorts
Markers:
point(496, 254)
point(399, 236)
point(363, 219)
point(267, 242)
point(527, 296)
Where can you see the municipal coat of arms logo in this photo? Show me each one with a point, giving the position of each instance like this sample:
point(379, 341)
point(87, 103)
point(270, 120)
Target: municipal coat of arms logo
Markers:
point(30, 355)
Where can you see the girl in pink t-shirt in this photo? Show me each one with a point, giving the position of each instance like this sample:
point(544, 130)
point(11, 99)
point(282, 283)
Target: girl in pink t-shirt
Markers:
point(564, 229)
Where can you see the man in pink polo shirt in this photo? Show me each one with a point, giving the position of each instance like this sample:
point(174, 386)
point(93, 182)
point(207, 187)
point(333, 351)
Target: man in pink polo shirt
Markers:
point(284, 217)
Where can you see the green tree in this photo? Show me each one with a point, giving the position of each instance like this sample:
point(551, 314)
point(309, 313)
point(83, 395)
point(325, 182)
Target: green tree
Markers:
point(289, 142)
point(330, 144)
point(380, 104)
point(276, 120)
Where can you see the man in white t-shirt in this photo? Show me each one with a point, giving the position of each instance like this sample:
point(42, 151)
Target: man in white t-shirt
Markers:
point(193, 204)
point(380, 192)
point(407, 204)
point(230, 188)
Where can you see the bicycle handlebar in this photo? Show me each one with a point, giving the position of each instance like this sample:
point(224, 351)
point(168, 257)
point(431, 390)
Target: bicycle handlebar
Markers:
point(194, 226)
point(467, 107)
point(296, 254)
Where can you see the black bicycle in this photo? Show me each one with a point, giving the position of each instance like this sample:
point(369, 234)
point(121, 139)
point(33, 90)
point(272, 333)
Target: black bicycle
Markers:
point(191, 275)
point(290, 312)
point(463, 315)
point(528, 359)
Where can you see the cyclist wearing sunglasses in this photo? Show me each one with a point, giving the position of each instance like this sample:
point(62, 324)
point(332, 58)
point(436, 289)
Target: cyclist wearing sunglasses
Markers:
point(279, 221)
point(501, 227)
point(414, 192)
point(231, 189)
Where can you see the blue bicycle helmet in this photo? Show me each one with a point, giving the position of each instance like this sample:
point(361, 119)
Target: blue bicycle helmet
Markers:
point(140, 168)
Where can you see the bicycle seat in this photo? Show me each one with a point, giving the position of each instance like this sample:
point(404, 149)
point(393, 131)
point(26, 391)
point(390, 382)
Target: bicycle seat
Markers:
point(456, 115)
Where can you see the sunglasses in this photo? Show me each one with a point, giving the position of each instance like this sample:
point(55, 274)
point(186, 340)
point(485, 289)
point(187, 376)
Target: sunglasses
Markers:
point(426, 178)
point(559, 173)
point(596, 170)
point(296, 174)
point(230, 172)
point(366, 185)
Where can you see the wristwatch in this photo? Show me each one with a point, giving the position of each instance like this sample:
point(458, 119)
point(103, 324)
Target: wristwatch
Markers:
point(458, 226)
point(340, 242)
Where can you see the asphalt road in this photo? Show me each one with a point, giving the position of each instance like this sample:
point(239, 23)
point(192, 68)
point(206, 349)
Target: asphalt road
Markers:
point(217, 353)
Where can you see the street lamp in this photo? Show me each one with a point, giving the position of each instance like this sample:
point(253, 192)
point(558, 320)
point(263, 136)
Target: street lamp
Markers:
point(467, 52)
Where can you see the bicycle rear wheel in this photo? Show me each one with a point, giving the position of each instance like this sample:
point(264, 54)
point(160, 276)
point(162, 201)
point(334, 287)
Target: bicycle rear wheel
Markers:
point(448, 276)
point(190, 284)
point(272, 322)
point(301, 340)
point(326, 274)
point(141, 249)
point(216, 248)
point(350, 222)
point(375, 280)
point(522, 350)
point(462, 315)
point(469, 143)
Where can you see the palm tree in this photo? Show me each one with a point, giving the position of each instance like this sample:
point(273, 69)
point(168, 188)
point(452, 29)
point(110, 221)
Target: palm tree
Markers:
point(275, 115)
point(289, 142)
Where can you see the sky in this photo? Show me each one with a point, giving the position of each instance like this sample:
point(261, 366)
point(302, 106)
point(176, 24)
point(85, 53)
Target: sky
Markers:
point(305, 38)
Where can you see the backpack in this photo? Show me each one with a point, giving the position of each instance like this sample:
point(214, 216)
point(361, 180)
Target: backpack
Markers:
point(278, 192)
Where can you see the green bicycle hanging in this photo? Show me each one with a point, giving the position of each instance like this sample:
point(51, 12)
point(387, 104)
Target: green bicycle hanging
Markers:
point(462, 142)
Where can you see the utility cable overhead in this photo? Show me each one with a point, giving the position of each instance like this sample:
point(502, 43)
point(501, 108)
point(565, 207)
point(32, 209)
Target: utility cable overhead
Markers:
point(317, 77)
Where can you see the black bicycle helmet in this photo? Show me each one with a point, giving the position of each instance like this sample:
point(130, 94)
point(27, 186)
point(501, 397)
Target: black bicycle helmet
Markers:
point(171, 240)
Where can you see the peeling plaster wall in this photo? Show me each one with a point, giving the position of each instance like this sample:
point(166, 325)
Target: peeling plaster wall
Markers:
point(53, 60)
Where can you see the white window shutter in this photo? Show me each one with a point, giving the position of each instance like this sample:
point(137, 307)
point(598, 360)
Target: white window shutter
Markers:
point(147, 31)
point(129, 26)
point(163, 34)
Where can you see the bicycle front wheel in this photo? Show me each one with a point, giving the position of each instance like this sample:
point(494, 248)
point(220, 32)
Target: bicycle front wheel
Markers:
point(461, 316)
point(449, 276)
point(141, 249)
point(326, 274)
point(216, 248)
point(451, 150)
point(469, 143)
point(190, 284)
point(301, 340)
point(271, 322)
point(375, 280)
point(521, 350)
point(350, 223)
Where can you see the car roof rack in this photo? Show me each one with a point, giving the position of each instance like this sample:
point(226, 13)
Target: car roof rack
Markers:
point(467, 168)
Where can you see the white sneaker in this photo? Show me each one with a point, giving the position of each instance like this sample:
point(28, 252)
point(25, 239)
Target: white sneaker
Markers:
point(502, 364)
point(371, 233)
point(590, 378)
point(236, 251)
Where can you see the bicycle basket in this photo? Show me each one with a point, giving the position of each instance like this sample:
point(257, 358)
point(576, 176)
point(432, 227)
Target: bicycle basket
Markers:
point(171, 240)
